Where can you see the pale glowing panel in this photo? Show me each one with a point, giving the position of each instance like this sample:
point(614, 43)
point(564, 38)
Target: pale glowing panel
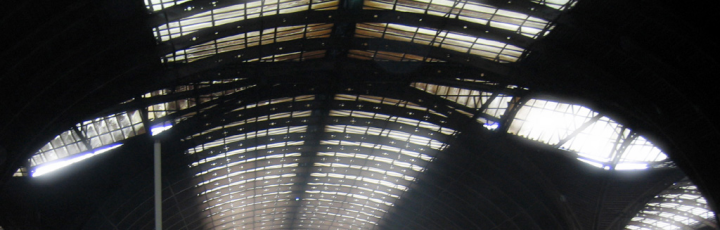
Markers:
point(549, 122)
point(681, 206)
point(594, 137)
point(631, 166)
point(473, 99)
point(159, 129)
point(89, 135)
point(235, 13)
point(21, 172)
point(55, 165)
point(250, 39)
point(488, 49)
point(641, 150)
point(470, 11)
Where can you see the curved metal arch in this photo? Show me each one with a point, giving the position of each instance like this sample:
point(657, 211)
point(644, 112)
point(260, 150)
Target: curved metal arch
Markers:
point(179, 11)
point(421, 98)
point(432, 52)
point(245, 26)
point(208, 117)
point(227, 62)
point(259, 112)
point(181, 70)
point(218, 110)
point(140, 103)
point(376, 16)
point(262, 125)
point(370, 71)
point(396, 111)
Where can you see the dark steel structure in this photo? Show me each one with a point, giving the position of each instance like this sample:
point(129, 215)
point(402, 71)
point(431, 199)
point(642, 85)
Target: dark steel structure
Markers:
point(309, 114)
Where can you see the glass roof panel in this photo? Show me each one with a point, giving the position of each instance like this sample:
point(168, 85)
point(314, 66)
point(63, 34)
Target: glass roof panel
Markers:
point(549, 122)
point(489, 49)
point(235, 13)
point(597, 139)
point(470, 98)
point(681, 206)
point(91, 134)
point(356, 174)
point(250, 39)
point(470, 11)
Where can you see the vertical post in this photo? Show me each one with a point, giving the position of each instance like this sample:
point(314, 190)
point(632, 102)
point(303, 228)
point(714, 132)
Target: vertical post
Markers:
point(158, 188)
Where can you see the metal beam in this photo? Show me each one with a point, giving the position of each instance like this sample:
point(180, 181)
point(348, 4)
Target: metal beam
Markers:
point(139, 102)
point(438, 72)
point(190, 8)
point(579, 129)
point(158, 185)
point(346, 19)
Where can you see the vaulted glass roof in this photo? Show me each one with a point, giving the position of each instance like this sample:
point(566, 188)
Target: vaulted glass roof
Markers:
point(344, 161)
point(489, 29)
point(681, 206)
point(105, 133)
point(596, 139)
point(360, 164)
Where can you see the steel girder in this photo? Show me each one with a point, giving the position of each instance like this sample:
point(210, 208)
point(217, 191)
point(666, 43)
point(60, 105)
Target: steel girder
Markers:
point(186, 9)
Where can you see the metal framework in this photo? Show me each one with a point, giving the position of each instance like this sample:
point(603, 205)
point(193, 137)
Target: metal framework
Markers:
point(266, 150)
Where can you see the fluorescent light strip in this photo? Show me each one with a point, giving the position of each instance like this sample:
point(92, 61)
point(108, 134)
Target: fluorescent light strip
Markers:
point(53, 166)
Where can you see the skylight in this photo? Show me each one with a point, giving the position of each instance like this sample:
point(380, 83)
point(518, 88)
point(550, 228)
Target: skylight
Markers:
point(469, 11)
point(470, 98)
point(360, 168)
point(250, 39)
point(596, 139)
point(213, 15)
point(489, 49)
point(89, 135)
point(55, 165)
point(681, 206)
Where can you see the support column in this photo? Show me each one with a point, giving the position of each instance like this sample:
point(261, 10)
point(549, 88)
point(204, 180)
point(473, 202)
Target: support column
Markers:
point(158, 187)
